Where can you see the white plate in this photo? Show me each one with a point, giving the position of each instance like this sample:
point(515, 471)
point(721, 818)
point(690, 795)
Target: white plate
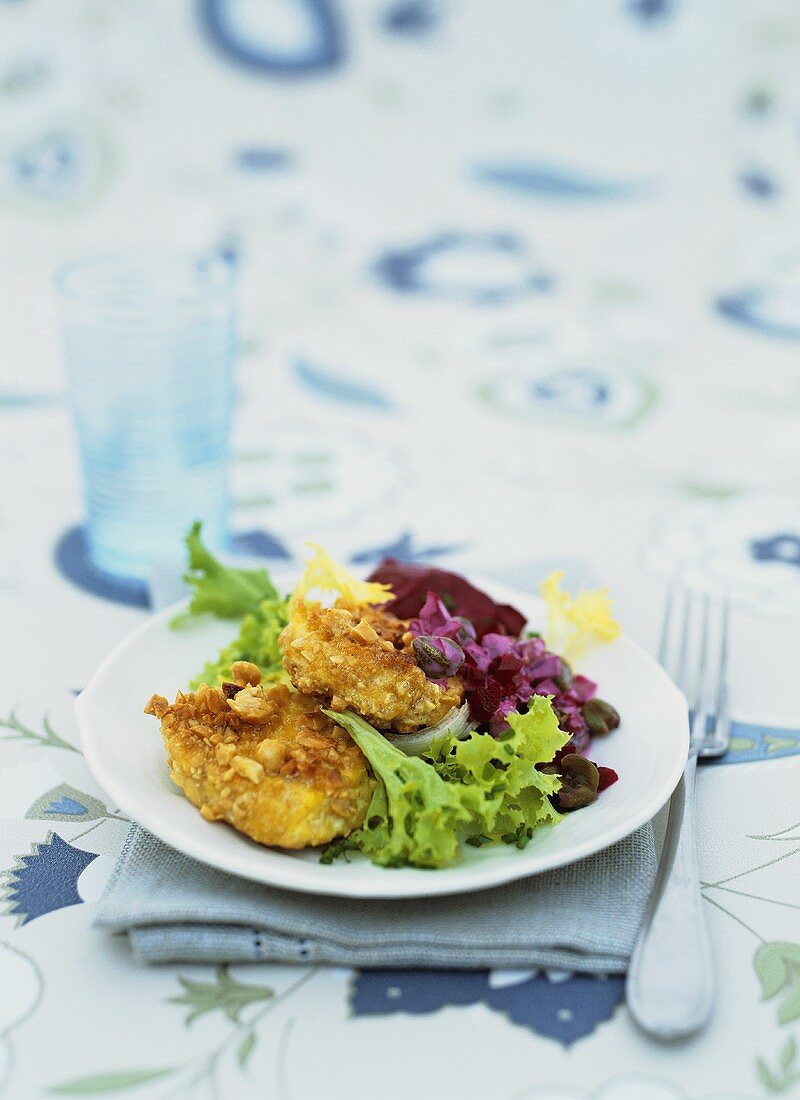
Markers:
point(124, 750)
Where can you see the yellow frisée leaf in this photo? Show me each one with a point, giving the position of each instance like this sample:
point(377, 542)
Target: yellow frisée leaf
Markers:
point(576, 623)
point(324, 574)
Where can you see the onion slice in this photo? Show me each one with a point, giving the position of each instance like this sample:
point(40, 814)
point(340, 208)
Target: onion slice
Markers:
point(456, 723)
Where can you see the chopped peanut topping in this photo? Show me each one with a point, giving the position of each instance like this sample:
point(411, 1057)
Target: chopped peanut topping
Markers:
point(365, 632)
point(225, 753)
point(250, 704)
point(211, 813)
point(157, 705)
point(272, 753)
point(248, 768)
point(245, 672)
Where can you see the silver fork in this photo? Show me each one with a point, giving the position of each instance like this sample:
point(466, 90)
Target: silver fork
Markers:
point(670, 987)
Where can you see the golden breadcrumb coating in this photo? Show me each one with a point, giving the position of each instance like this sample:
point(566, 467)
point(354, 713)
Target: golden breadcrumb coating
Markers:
point(339, 654)
point(266, 760)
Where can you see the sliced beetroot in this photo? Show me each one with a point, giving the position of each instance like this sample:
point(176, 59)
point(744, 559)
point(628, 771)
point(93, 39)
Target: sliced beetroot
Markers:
point(411, 584)
point(484, 701)
point(607, 777)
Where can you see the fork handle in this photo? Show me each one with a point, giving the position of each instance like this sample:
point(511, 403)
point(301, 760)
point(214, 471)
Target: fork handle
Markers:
point(670, 987)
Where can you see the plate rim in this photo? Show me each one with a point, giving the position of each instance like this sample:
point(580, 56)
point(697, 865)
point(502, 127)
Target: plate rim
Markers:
point(301, 880)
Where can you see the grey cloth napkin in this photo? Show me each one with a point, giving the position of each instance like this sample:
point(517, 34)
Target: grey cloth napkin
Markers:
point(581, 917)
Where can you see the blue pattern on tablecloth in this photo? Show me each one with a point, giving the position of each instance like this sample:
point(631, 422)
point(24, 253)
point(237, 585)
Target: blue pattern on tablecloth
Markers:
point(550, 181)
point(409, 269)
point(565, 1009)
point(46, 879)
point(246, 43)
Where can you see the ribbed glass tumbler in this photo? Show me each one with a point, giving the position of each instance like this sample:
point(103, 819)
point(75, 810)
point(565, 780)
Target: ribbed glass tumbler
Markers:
point(150, 349)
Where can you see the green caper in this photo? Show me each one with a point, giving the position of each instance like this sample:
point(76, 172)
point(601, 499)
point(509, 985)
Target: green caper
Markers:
point(579, 782)
point(578, 767)
point(564, 679)
point(600, 717)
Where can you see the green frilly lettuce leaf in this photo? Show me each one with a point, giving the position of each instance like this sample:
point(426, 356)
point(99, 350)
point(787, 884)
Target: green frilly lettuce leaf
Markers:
point(246, 594)
point(415, 815)
point(219, 590)
point(502, 786)
point(478, 790)
point(257, 641)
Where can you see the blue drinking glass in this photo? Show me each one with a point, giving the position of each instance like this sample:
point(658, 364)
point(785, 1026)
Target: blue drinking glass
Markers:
point(150, 348)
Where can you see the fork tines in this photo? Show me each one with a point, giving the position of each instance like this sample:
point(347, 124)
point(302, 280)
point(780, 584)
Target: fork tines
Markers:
point(694, 651)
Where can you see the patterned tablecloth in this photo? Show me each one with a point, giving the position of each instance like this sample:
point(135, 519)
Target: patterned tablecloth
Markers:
point(520, 289)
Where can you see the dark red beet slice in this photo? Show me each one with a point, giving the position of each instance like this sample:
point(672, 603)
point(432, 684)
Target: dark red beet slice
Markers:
point(607, 777)
point(412, 582)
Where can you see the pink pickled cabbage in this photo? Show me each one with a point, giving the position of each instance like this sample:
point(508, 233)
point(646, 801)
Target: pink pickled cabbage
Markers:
point(501, 674)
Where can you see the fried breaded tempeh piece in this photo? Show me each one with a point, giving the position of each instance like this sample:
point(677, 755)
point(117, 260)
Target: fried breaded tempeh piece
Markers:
point(334, 653)
point(267, 761)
